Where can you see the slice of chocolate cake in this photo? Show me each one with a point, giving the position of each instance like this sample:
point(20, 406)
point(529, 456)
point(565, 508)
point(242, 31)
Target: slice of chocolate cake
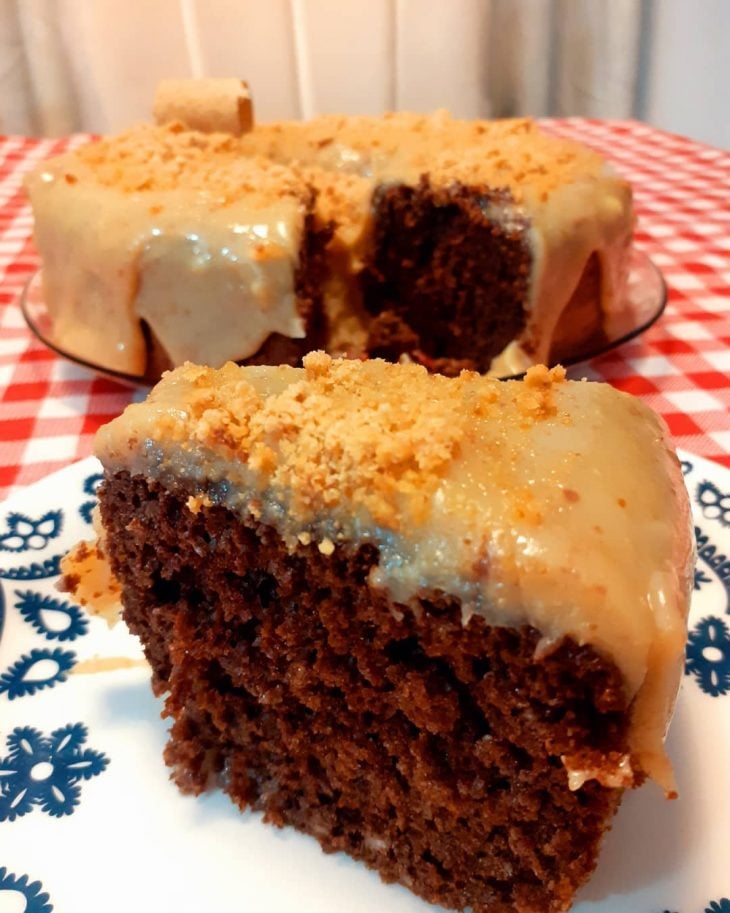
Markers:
point(436, 624)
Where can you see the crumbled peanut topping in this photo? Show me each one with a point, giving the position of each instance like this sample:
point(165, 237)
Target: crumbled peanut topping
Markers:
point(340, 158)
point(348, 432)
point(148, 160)
point(536, 395)
point(326, 547)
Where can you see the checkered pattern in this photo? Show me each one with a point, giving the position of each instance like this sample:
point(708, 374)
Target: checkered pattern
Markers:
point(681, 366)
point(50, 409)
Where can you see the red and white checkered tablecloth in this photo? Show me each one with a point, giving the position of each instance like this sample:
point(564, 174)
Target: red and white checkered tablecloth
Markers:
point(50, 409)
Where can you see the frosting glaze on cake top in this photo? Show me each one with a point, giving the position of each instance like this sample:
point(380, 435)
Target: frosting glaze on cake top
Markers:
point(166, 201)
point(177, 216)
point(512, 153)
point(545, 502)
point(573, 201)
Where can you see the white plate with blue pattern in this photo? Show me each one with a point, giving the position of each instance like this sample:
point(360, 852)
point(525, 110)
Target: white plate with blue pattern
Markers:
point(89, 820)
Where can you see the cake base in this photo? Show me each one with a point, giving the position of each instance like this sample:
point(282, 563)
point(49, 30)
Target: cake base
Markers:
point(427, 748)
point(448, 278)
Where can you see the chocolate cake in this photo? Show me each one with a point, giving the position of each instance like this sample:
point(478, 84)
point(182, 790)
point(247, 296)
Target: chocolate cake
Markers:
point(486, 245)
point(438, 624)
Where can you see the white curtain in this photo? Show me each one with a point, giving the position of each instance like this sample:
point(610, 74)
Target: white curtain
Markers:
point(37, 92)
point(93, 64)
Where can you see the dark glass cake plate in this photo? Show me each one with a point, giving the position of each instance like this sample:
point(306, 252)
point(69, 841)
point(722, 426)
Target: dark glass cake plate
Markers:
point(646, 298)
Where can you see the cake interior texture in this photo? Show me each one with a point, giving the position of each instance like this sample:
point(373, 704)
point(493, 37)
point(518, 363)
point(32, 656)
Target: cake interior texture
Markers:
point(403, 614)
point(427, 749)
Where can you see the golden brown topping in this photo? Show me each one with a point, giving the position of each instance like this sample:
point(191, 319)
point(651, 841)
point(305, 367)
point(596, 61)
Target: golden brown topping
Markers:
point(340, 157)
point(326, 547)
point(317, 364)
point(541, 376)
point(149, 159)
point(536, 399)
point(349, 432)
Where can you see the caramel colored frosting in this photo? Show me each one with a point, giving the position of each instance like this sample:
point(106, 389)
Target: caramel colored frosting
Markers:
point(574, 202)
point(173, 228)
point(549, 503)
point(198, 234)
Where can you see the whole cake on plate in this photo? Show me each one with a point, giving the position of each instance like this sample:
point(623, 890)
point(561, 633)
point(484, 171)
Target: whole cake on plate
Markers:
point(486, 245)
point(435, 623)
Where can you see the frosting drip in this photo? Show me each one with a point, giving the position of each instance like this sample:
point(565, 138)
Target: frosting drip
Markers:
point(186, 259)
point(510, 497)
point(168, 206)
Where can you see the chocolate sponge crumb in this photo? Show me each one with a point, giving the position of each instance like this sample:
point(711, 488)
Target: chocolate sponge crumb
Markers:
point(429, 749)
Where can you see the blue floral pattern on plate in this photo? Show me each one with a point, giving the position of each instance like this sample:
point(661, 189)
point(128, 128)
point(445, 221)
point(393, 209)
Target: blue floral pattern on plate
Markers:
point(23, 533)
point(719, 906)
point(44, 613)
point(23, 677)
point(714, 504)
point(48, 765)
point(713, 560)
point(36, 899)
point(708, 656)
point(715, 906)
point(46, 771)
point(36, 570)
point(90, 486)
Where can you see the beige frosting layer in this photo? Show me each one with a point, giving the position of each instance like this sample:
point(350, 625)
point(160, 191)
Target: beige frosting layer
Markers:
point(148, 225)
point(207, 261)
point(555, 504)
